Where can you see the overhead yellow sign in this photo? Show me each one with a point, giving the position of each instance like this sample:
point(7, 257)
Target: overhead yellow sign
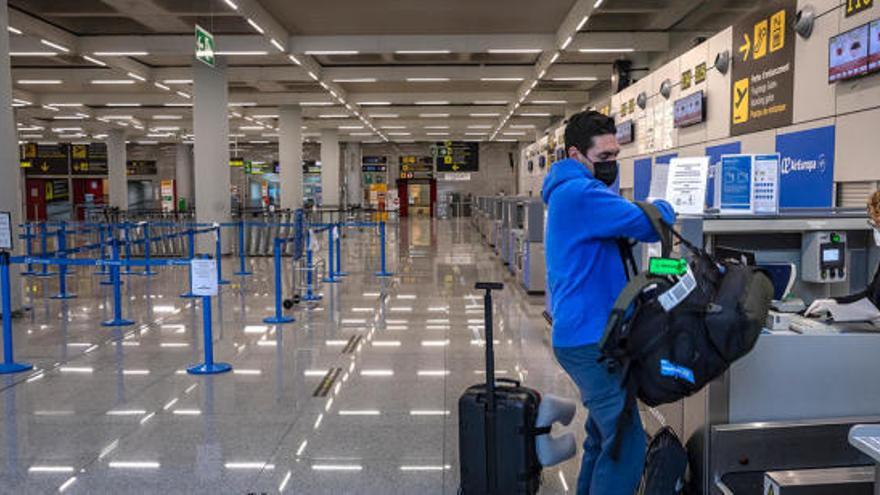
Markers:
point(741, 101)
point(762, 79)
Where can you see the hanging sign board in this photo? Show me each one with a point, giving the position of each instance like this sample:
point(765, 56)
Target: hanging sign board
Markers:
point(686, 184)
point(5, 230)
point(47, 159)
point(204, 277)
point(457, 156)
point(204, 46)
point(762, 82)
point(735, 184)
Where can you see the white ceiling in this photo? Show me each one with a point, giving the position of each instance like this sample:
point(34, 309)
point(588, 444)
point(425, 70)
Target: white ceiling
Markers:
point(484, 69)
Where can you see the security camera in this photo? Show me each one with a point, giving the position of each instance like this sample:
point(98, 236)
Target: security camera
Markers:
point(722, 62)
point(804, 21)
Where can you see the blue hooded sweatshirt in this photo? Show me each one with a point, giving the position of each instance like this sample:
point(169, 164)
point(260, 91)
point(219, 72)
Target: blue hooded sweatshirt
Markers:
point(584, 271)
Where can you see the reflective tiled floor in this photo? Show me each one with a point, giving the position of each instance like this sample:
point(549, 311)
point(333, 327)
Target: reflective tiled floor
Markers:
point(113, 411)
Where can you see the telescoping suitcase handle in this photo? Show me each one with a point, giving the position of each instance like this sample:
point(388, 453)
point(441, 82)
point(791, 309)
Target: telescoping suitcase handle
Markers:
point(491, 476)
point(490, 350)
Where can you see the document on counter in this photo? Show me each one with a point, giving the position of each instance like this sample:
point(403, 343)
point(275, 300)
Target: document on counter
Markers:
point(861, 310)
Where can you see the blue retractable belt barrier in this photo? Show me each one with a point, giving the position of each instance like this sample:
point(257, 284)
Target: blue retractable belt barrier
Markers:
point(279, 317)
point(383, 272)
point(9, 365)
point(118, 320)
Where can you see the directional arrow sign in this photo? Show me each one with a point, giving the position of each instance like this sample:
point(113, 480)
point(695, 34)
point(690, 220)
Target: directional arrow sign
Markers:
point(746, 47)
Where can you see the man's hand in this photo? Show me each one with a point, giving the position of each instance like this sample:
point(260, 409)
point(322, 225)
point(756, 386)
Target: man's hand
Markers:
point(667, 212)
point(820, 307)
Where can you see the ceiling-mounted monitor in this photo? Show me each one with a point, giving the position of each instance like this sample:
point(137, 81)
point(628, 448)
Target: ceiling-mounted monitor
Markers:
point(689, 110)
point(874, 46)
point(848, 54)
point(625, 132)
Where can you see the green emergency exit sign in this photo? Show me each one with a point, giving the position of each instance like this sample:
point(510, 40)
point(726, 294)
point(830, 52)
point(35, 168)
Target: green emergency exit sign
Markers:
point(204, 46)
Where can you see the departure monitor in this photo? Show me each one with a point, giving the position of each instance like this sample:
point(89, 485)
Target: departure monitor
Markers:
point(625, 132)
point(689, 110)
point(874, 46)
point(848, 54)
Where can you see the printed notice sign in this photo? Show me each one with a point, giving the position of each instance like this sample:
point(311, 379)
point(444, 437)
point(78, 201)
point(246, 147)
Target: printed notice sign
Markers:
point(686, 184)
point(765, 184)
point(5, 230)
point(204, 277)
point(736, 184)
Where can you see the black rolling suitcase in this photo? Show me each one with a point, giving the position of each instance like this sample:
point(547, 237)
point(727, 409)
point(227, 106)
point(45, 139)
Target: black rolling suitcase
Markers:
point(496, 435)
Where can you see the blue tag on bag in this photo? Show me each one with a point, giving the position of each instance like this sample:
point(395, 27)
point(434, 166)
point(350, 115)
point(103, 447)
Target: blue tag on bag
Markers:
point(668, 368)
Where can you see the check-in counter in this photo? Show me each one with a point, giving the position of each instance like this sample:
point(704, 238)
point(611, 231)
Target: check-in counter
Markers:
point(528, 246)
point(789, 403)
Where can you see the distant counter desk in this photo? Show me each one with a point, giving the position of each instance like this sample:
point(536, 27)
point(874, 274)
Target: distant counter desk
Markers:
point(789, 404)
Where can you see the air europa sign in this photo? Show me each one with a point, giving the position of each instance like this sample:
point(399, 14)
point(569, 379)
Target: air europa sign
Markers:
point(791, 165)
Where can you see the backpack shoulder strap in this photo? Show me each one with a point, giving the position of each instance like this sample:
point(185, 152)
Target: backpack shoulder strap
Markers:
point(630, 268)
point(663, 230)
point(623, 302)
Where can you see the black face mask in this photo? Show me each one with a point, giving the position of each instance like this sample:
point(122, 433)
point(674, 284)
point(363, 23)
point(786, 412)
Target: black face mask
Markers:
point(606, 172)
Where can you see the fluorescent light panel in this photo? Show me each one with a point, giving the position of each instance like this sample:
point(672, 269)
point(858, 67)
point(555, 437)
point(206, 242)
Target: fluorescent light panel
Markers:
point(122, 54)
point(256, 26)
point(54, 45)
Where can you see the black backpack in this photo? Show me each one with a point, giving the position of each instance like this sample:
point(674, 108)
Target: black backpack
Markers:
point(680, 324)
point(665, 465)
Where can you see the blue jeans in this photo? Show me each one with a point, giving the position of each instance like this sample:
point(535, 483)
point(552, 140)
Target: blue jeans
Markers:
point(604, 399)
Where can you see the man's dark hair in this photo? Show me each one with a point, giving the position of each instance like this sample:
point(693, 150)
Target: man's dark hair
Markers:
point(583, 126)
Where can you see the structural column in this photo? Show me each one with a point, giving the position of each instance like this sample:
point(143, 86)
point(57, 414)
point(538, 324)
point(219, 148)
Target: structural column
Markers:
point(116, 163)
point(290, 155)
point(354, 193)
point(330, 167)
point(183, 174)
point(211, 149)
point(10, 173)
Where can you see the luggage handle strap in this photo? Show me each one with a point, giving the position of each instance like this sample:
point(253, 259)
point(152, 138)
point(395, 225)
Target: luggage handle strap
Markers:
point(660, 226)
point(665, 231)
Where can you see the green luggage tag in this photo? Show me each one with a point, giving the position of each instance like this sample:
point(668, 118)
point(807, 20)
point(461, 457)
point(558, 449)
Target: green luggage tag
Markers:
point(667, 266)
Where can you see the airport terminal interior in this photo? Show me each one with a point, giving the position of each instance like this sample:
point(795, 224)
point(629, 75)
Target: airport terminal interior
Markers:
point(241, 240)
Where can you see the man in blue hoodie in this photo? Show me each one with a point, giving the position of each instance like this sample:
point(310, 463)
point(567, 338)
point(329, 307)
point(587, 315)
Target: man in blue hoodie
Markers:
point(585, 274)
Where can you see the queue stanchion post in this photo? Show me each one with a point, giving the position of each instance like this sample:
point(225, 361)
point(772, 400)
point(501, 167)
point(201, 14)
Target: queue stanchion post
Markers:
point(126, 233)
point(102, 251)
point(62, 268)
point(278, 318)
point(384, 271)
point(242, 269)
point(218, 255)
point(111, 236)
point(28, 249)
point(191, 246)
point(331, 275)
point(44, 249)
point(338, 235)
point(9, 365)
point(148, 270)
point(209, 367)
point(310, 270)
point(115, 276)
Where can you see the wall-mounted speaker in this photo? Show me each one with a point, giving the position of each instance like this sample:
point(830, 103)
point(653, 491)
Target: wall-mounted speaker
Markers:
point(621, 75)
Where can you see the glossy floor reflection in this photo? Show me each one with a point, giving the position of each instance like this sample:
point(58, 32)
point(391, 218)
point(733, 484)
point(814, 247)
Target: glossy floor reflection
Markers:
point(357, 396)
